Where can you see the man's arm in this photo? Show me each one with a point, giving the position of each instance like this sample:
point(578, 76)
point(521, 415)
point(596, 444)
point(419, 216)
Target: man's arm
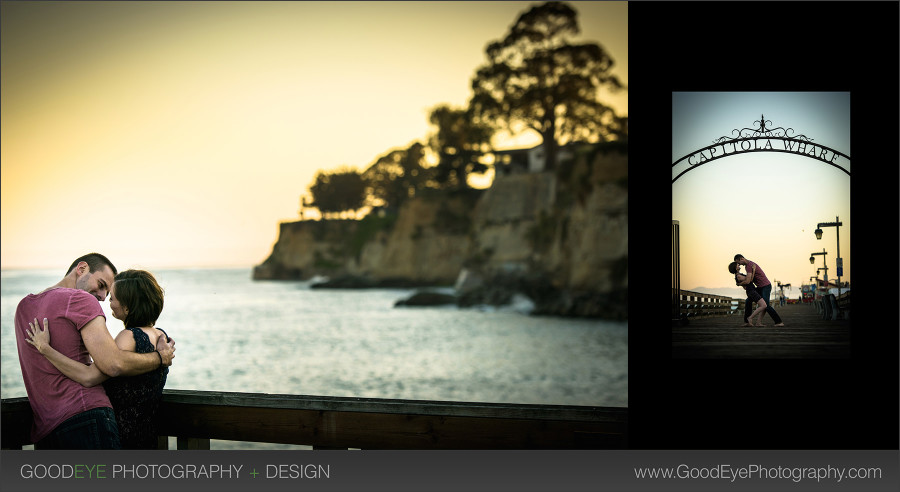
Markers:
point(751, 274)
point(115, 362)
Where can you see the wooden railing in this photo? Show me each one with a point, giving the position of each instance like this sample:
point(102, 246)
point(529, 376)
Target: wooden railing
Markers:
point(699, 305)
point(195, 417)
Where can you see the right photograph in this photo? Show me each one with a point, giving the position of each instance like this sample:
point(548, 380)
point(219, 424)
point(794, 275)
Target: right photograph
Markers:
point(761, 225)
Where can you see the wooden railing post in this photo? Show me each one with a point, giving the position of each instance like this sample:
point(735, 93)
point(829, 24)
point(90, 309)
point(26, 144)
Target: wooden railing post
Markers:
point(193, 443)
point(16, 420)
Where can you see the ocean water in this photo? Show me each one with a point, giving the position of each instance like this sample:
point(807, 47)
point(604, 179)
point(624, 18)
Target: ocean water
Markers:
point(236, 334)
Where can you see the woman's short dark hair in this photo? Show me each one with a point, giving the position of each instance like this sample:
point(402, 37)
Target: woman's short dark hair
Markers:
point(95, 262)
point(732, 267)
point(138, 291)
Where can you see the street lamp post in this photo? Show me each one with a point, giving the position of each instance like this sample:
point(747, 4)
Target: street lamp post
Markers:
point(812, 260)
point(840, 262)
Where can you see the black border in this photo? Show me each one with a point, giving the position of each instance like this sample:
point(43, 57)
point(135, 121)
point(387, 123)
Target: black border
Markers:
point(765, 46)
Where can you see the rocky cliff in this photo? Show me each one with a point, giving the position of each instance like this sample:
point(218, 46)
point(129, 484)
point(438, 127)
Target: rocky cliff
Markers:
point(425, 243)
point(560, 238)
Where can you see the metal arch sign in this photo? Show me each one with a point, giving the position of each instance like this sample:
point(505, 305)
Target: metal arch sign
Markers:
point(761, 139)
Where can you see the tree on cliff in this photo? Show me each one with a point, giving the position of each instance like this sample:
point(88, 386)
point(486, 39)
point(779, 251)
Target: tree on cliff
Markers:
point(537, 79)
point(338, 192)
point(460, 141)
point(397, 176)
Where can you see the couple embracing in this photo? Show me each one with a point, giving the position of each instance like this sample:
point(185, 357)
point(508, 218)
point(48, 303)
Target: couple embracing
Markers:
point(86, 389)
point(758, 288)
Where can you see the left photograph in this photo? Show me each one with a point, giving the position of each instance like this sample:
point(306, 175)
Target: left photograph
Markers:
point(314, 225)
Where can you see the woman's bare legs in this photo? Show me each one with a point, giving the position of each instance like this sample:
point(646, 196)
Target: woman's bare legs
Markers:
point(760, 310)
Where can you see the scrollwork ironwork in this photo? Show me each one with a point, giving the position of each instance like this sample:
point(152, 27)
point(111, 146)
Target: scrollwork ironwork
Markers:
point(762, 131)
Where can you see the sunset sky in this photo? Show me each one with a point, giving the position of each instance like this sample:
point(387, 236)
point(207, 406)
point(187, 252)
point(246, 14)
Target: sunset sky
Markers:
point(766, 205)
point(177, 134)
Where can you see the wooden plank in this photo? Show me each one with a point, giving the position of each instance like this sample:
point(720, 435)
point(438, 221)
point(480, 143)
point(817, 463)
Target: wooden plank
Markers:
point(368, 430)
point(389, 406)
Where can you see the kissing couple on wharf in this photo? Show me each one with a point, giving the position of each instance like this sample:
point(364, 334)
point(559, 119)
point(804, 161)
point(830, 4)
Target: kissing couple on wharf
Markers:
point(86, 389)
point(758, 288)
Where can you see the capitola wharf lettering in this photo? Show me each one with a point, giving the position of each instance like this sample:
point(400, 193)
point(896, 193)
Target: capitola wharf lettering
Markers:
point(743, 145)
point(764, 139)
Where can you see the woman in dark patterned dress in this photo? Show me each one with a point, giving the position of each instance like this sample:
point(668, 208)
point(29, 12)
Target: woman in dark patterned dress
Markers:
point(136, 299)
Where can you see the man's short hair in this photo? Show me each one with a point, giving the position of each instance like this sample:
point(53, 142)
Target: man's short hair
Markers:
point(732, 267)
point(738, 257)
point(95, 262)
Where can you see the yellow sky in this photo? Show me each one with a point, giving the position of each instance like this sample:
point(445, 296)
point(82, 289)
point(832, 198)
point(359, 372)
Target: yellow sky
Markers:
point(182, 133)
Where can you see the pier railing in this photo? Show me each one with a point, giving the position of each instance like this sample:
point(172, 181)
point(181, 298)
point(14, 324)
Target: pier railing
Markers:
point(699, 305)
point(831, 307)
point(196, 417)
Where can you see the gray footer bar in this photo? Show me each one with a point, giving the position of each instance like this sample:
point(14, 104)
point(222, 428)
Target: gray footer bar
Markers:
point(397, 471)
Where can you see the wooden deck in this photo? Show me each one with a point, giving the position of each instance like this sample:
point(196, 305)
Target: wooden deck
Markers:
point(805, 336)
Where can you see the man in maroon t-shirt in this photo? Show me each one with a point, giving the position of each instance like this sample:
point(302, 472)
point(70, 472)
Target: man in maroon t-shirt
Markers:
point(755, 275)
point(68, 415)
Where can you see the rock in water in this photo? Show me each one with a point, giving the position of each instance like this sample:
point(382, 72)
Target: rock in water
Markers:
point(427, 298)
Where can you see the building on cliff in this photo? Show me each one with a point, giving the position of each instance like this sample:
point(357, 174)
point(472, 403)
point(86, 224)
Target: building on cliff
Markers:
point(530, 160)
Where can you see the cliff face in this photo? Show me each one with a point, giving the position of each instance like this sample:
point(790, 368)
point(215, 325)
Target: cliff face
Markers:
point(560, 238)
point(422, 245)
point(306, 249)
point(419, 247)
